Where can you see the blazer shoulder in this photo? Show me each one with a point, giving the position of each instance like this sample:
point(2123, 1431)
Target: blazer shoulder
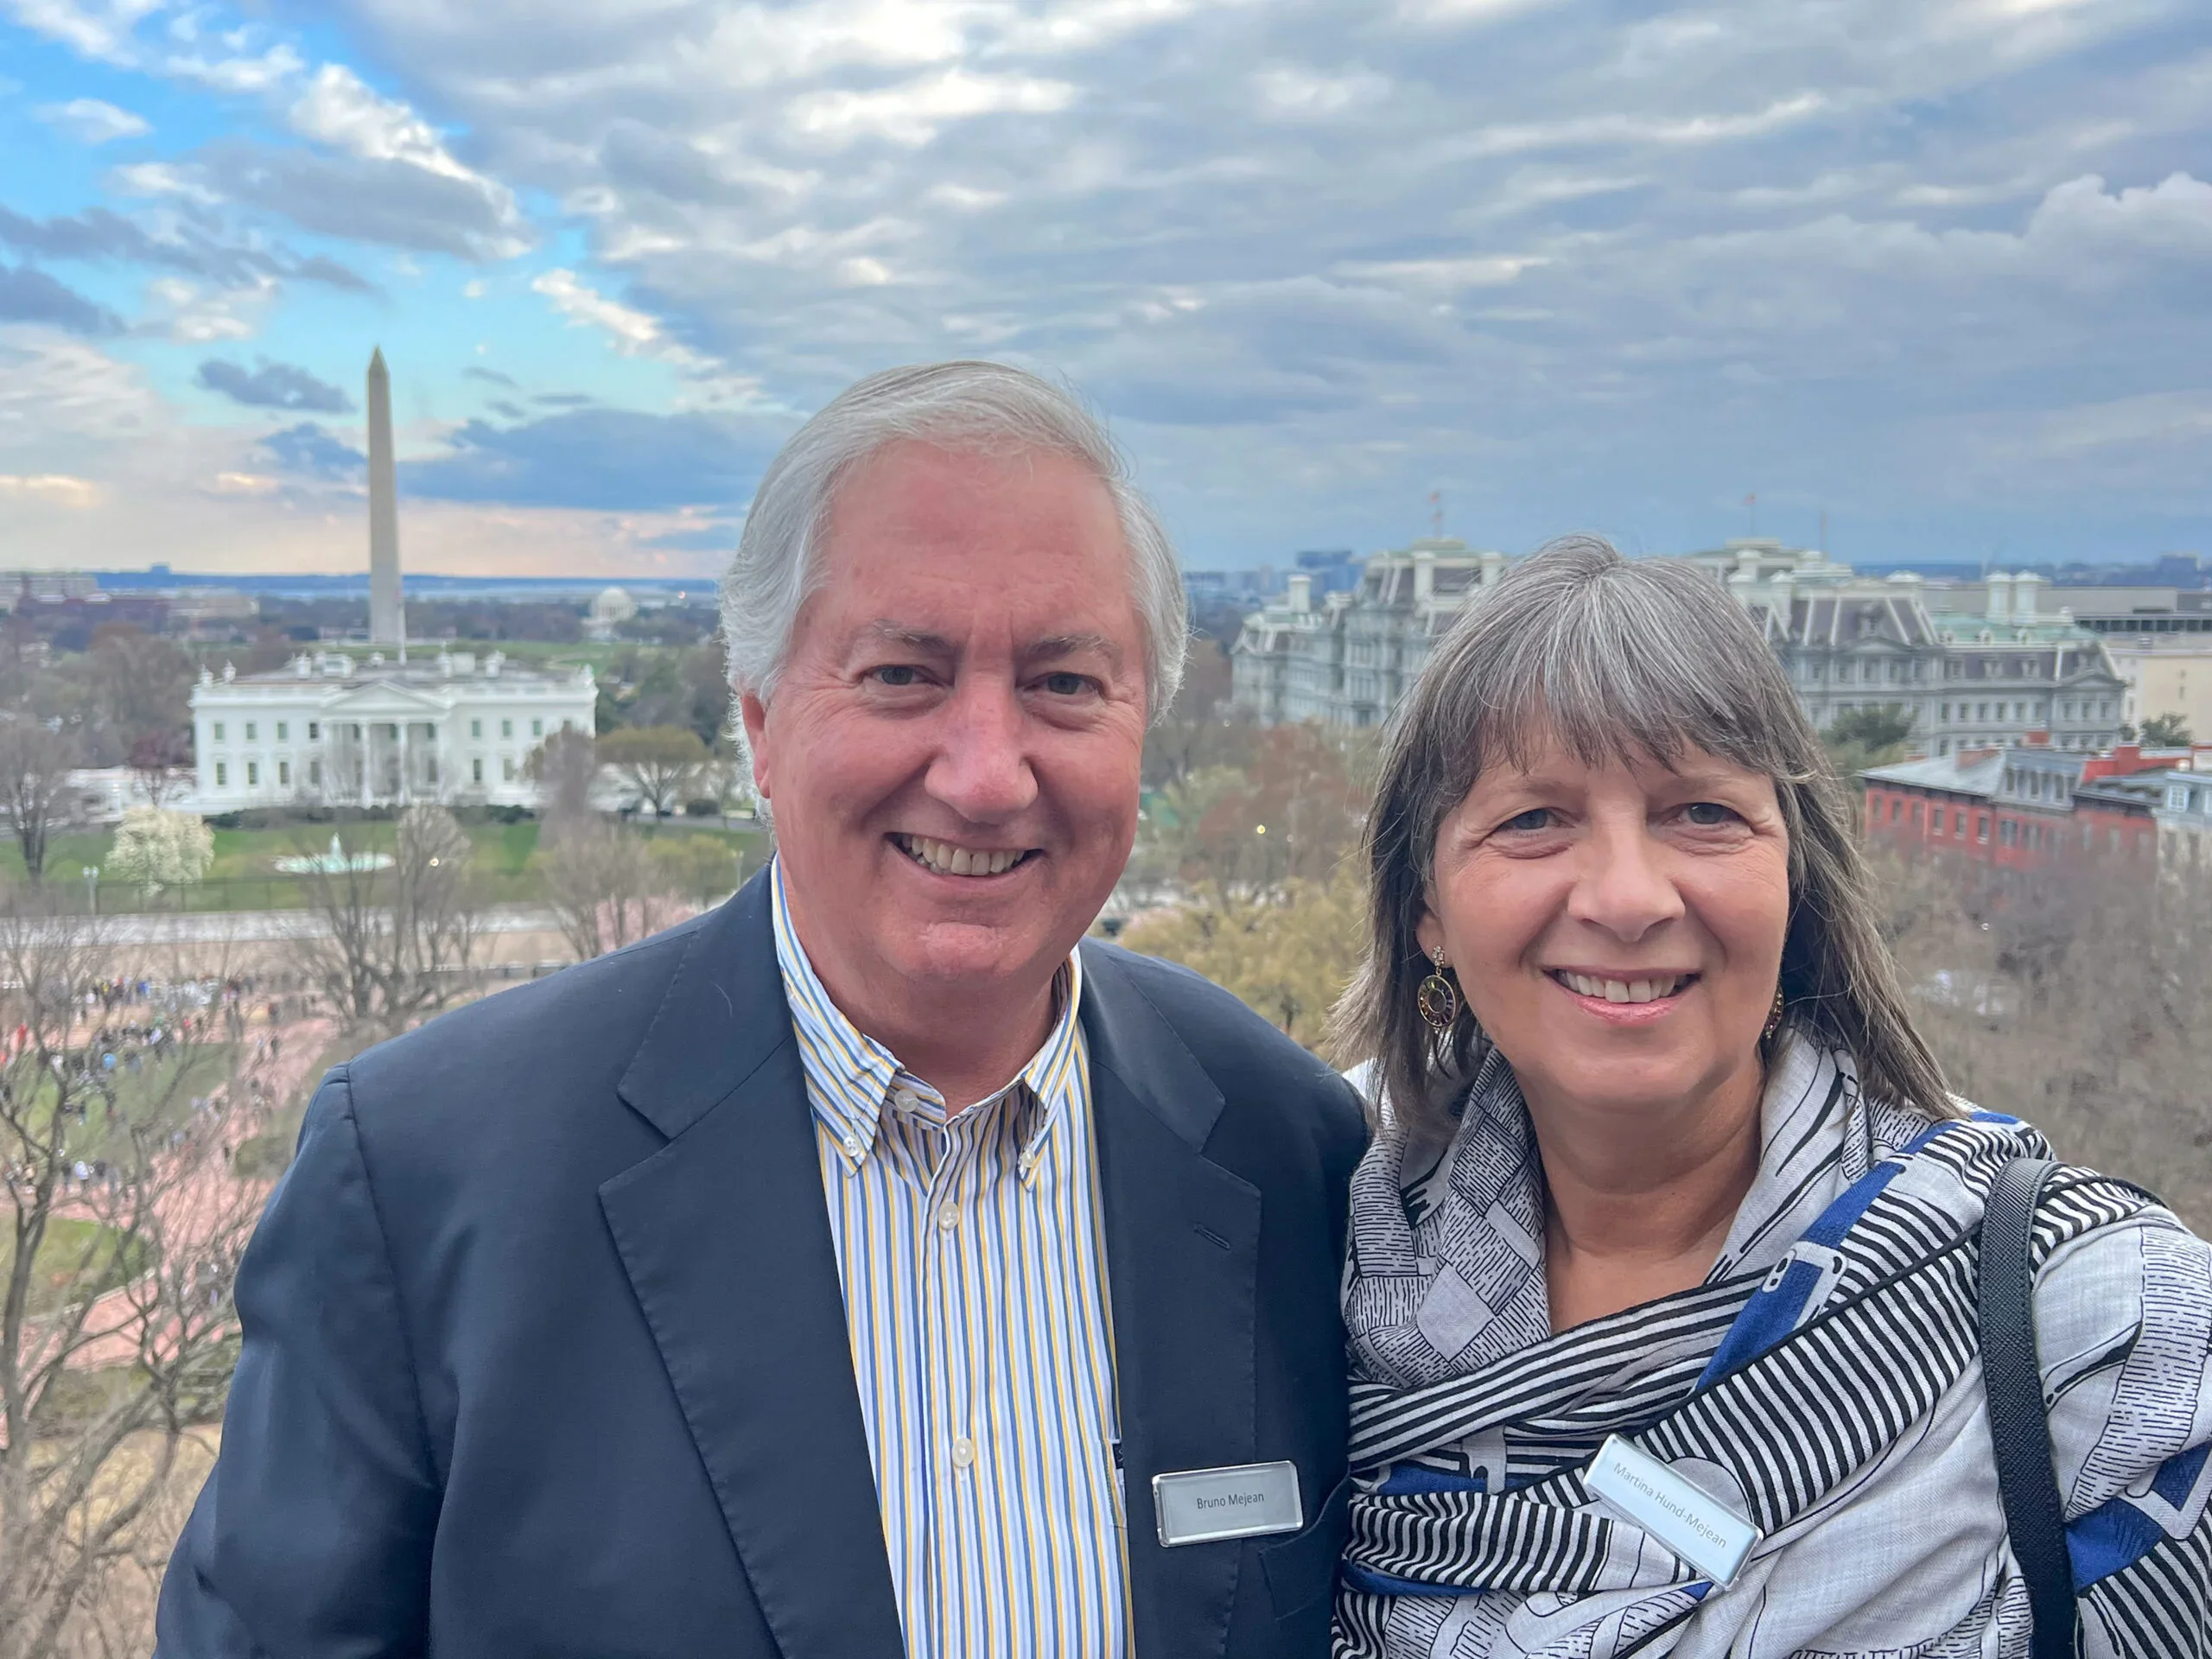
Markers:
point(1243, 1053)
point(542, 1038)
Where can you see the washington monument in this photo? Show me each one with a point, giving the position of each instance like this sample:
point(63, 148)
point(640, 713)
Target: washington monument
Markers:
point(387, 621)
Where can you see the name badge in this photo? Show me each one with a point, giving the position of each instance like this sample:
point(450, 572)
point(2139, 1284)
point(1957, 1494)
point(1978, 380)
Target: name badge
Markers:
point(1202, 1506)
point(1702, 1530)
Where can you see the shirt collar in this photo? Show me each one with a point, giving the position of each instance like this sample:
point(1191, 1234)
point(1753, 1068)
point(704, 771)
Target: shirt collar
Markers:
point(850, 1074)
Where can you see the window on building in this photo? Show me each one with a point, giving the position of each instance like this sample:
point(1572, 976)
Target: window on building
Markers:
point(1981, 827)
point(476, 770)
point(218, 731)
point(250, 733)
point(283, 771)
point(506, 729)
point(315, 730)
point(1946, 711)
point(1896, 809)
point(508, 768)
point(537, 728)
point(252, 773)
point(222, 771)
point(2007, 833)
point(476, 728)
point(314, 773)
point(1981, 711)
point(283, 731)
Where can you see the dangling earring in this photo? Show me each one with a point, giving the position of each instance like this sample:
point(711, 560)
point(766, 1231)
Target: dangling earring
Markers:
point(1438, 997)
point(1773, 1020)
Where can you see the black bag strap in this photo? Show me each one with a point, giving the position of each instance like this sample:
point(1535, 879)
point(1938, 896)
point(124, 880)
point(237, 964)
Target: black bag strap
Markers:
point(2019, 1424)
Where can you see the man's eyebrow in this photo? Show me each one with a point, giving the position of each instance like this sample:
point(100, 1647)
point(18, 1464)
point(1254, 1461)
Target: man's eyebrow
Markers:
point(1057, 645)
point(921, 639)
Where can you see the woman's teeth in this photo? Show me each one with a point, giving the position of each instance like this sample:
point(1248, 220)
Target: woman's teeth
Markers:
point(1624, 990)
point(947, 859)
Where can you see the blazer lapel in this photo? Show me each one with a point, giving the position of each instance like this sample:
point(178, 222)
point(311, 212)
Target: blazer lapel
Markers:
point(726, 1239)
point(1182, 1250)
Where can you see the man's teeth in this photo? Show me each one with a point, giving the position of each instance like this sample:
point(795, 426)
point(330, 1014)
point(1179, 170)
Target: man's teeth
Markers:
point(948, 860)
point(1624, 990)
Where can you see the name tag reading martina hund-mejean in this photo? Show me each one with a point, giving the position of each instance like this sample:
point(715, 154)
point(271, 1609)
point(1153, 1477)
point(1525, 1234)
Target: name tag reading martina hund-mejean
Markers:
point(1712, 1538)
point(1202, 1506)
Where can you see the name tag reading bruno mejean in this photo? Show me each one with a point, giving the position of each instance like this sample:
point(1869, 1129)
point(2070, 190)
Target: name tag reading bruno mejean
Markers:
point(1702, 1530)
point(1201, 1506)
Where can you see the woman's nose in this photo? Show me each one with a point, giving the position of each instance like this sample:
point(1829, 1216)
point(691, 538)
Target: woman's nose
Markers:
point(1623, 886)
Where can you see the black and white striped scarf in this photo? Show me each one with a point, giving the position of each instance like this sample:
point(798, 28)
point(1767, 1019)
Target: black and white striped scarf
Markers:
point(1824, 1382)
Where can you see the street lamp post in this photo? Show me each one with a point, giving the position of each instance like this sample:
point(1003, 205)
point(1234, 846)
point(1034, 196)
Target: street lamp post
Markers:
point(92, 888)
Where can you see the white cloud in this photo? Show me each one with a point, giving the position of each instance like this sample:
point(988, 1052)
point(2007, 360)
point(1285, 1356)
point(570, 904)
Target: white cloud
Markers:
point(915, 112)
point(97, 29)
point(79, 493)
point(342, 110)
point(90, 121)
point(191, 314)
point(1288, 91)
point(164, 179)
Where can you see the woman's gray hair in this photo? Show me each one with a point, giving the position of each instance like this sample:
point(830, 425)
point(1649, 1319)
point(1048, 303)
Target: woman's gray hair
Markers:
point(1614, 659)
point(973, 407)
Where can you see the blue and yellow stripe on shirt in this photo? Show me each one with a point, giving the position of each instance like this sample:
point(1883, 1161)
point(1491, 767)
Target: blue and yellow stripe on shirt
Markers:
point(973, 1259)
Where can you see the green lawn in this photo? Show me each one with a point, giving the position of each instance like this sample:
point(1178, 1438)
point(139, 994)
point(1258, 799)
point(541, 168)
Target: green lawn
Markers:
point(244, 875)
point(77, 1260)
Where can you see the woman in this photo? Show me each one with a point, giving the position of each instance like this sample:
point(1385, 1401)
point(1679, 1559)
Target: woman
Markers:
point(1661, 1157)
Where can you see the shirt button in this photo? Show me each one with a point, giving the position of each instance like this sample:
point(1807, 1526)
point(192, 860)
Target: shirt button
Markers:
point(964, 1452)
point(852, 1146)
point(948, 1217)
point(906, 1101)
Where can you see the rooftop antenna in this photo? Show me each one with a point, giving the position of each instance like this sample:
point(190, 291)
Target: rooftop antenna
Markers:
point(1436, 514)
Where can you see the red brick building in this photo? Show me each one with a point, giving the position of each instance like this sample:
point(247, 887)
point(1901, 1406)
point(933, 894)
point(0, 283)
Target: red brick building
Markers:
point(2020, 808)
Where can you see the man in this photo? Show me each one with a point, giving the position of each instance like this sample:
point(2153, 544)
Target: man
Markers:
point(861, 1268)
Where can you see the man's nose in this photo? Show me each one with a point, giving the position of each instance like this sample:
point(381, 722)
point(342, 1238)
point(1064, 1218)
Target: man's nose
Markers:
point(982, 767)
point(1623, 886)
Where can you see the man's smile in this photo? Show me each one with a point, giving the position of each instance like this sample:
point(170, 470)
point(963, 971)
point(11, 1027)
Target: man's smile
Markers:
point(950, 858)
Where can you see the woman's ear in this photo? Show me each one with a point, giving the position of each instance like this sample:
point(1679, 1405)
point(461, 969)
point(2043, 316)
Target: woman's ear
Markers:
point(1428, 932)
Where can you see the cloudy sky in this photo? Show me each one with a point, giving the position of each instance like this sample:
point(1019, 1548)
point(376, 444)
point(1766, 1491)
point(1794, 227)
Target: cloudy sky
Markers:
point(1937, 268)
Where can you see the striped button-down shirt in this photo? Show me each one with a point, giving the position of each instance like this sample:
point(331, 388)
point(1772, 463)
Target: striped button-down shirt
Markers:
point(973, 1261)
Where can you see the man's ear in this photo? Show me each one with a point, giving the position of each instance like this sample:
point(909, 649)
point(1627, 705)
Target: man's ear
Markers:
point(754, 714)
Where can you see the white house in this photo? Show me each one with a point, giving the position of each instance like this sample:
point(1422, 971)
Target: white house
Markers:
point(328, 730)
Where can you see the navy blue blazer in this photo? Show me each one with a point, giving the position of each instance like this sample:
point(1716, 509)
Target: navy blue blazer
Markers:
point(545, 1351)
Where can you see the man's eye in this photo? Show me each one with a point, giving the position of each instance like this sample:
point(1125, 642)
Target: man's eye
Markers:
point(897, 674)
point(1708, 814)
point(1067, 685)
point(1536, 818)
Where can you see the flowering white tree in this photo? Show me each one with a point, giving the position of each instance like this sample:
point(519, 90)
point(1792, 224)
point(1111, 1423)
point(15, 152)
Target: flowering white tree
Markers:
point(157, 848)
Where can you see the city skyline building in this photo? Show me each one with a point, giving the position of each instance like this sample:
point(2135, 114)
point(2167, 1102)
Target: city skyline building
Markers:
point(1971, 665)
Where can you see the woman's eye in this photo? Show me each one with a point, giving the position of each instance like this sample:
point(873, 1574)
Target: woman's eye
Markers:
point(1708, 814)
point(1536, 818)
point(897, 674)
point(1065, 685)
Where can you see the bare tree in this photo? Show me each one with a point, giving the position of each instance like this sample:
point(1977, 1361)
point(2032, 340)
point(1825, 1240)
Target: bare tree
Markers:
point(658, 761)
point(602, 886)
point(564, 767)
point(34, 764)
point(123, 1226)
point(392, 943)
point(2074, 996)
point(159, 760)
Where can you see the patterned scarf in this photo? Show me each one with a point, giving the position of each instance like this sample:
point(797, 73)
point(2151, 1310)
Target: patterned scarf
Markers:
point(1823, 1382)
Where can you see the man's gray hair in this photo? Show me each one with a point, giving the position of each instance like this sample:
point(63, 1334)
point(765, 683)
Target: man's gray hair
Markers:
point(970, 407)
point(1614, 659)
